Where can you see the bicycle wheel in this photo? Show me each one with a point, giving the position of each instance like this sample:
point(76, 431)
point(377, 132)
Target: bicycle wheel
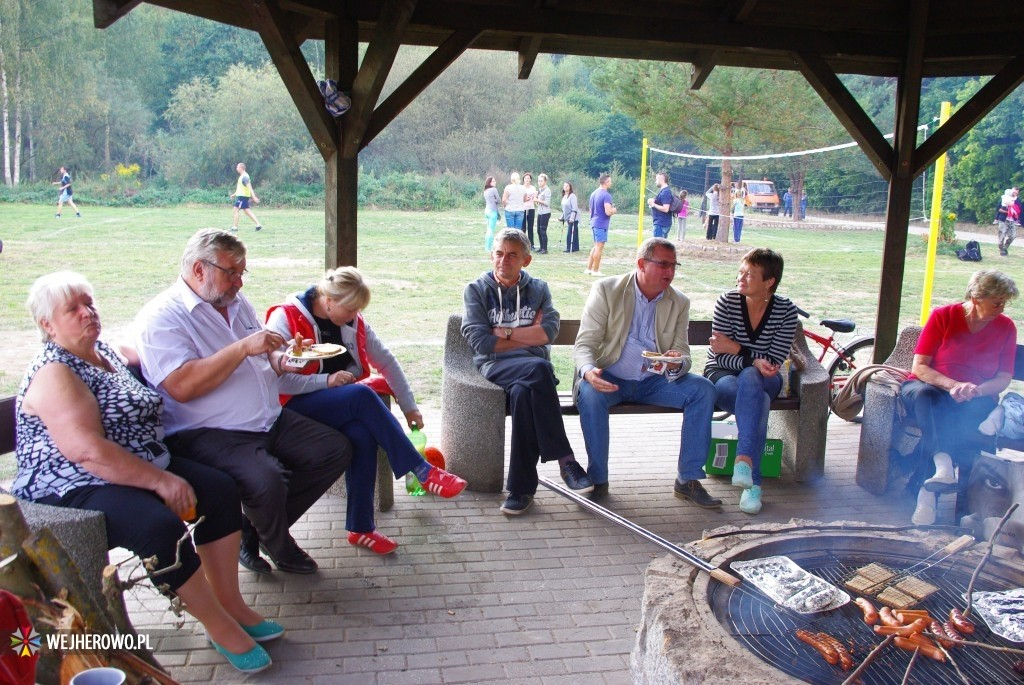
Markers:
point(849, 359)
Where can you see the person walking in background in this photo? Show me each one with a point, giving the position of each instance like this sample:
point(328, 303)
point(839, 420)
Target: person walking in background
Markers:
point(660, 206)
point(65, 192)
point(543, 201)
point(244, 194)
point(529, 195)
point(1007, 217)
point(787, 203)
point(714, 209)
point(571, 218)
point(512, 201)
point(738, 205)
point(684, 209)
point(803, 205)
point(601, 210)
point(491, 202)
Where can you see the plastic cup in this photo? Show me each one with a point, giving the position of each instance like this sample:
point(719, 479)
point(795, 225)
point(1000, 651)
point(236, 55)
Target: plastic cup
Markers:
point(99, 676)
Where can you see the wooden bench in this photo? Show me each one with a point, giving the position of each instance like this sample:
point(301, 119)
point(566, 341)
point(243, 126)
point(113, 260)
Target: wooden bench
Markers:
point(473, 410)
point(82, 533)
point(883, 436)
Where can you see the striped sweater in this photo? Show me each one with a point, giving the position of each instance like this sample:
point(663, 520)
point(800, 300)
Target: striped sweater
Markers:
point(771, 340)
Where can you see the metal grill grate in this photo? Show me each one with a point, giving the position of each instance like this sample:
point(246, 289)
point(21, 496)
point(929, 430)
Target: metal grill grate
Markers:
point(767, 630)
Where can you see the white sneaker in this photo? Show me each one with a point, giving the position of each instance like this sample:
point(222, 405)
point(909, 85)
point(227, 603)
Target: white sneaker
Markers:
point(596, 273)
point(945, 474)
point(924, 515)
point(587, 272)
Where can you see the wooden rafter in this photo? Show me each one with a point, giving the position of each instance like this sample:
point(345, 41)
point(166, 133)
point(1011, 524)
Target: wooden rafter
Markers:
point(417, 82)
point(106, 12)
point(970, 113)
point(529, 48)
point(706, 60)
point(848, 111)
point(273, 27)
point(377, 63)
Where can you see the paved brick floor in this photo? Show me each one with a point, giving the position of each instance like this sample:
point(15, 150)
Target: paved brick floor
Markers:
point(551, 597)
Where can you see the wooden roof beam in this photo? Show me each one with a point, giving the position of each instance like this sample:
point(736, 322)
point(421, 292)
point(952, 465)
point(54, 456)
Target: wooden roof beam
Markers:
point(274, 28)
point(848, 111)
point(529, 48)
point(706, 60)
point(970, 113)
point(373, 72)
point(417, 82)
point(106, 12)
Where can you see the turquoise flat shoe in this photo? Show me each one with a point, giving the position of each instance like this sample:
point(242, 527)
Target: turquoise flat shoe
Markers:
point(750, 500)
point(265, 630)
point(253, 661)
point(742, 476)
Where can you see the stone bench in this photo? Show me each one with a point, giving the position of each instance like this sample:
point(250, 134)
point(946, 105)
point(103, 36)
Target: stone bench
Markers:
point(883, 436)
point(473, 410)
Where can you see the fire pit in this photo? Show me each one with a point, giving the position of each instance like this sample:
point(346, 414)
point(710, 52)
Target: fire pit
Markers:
point(698, 630)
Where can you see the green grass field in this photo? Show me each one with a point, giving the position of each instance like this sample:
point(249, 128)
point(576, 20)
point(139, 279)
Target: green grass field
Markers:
point(418, 264)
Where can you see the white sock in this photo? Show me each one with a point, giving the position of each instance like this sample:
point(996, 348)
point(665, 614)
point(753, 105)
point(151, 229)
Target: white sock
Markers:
point(943, 465)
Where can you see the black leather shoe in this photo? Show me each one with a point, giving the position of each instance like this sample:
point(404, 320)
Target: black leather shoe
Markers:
point(694, 491)
point(600, 491)
point(253, 562)
point(576, 478)
point(295, 561)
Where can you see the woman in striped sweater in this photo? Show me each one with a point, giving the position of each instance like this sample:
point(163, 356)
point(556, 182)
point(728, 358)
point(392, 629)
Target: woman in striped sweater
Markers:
point(753, 330)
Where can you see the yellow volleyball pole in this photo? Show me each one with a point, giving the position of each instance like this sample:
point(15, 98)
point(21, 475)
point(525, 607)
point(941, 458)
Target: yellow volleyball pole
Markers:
point(933, 230)
point(643, 195)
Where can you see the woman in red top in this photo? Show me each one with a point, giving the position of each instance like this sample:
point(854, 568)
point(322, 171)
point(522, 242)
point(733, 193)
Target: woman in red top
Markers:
point(963, 360)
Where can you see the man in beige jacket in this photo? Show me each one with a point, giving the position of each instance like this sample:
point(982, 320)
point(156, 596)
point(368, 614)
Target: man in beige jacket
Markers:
point(624, 317)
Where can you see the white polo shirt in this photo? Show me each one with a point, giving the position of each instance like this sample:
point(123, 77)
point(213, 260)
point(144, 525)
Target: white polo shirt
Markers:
point(176, 327)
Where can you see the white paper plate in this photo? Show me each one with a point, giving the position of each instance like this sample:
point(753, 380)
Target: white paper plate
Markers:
point(317, 351)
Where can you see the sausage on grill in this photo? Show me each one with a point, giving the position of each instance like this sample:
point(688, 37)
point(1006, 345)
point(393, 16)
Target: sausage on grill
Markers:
point(929, 650)
point(870, 613)
point(826, 650)
point(845, 660)
point(960, 622)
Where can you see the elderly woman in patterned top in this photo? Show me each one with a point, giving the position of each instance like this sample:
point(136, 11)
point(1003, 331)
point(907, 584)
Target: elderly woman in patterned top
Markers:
point(89, 437)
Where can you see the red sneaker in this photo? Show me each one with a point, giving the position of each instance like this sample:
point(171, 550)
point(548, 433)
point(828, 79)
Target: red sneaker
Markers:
point(443, 484)
point(373, 541)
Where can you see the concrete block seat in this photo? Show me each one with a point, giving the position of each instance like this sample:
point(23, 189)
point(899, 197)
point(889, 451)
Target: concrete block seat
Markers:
point(473, 411)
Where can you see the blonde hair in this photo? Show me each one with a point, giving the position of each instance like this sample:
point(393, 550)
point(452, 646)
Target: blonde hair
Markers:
point(991, 283)
point(514, 178)
point(50, 291)
point(346, 287)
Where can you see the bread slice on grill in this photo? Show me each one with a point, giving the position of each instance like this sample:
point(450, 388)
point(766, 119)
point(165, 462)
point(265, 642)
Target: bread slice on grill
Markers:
point(916, 588)
point(896, 599)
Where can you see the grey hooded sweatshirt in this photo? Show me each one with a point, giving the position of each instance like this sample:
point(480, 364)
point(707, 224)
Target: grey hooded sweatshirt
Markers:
point(489, 304)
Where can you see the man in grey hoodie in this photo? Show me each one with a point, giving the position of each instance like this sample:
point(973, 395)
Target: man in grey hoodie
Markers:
point(509, 323)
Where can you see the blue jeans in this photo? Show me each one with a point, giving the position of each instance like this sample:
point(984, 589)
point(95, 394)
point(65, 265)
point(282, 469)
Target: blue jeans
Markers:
point(748, 396)
point(661, 231)
point(365, 420)
point(737, 228)
point(693, 394)
point(514, 219)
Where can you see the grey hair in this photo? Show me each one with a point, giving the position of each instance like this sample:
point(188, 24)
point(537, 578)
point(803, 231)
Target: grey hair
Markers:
point(990, 283)
point(207, 244)
point(50, 291)
point(345, 285)
point(512, 235)
point(646, 250)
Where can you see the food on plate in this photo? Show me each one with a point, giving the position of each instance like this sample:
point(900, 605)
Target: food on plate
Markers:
point(845, 660)
point(317, 350)
point(651, 355)
point(929, 650)
point(870, 613)
point(960, 622)
point(297, 345)
point(826, 650)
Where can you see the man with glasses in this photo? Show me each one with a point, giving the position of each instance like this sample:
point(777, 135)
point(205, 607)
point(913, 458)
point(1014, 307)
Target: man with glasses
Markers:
point(624, 317)
point(203, 348)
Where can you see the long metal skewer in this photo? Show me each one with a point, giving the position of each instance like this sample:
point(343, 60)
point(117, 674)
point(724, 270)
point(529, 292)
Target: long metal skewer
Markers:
point(715, 572)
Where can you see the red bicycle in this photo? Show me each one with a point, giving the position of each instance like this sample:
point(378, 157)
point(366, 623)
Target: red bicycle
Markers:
point(844, 357)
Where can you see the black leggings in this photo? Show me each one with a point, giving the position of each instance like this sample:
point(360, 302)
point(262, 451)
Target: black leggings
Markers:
point(528, 225)
point(139, 521)
point(542, 230)
point(572, 236)
point(712, 232)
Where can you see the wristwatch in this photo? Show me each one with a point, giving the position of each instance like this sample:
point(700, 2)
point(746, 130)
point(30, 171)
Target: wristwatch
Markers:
point(508, 334)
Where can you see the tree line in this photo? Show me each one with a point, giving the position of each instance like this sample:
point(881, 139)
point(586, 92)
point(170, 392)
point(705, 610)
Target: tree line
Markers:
point(162, 105)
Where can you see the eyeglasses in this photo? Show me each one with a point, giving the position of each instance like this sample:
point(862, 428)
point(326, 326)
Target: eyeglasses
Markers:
point(663, 265)
point(230, 273)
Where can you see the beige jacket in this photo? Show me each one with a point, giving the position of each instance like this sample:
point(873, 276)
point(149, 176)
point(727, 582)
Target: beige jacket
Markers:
point(608, 314)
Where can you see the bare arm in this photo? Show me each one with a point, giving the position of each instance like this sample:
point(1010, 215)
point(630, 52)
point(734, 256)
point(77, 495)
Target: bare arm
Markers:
point(199, 377)
point(72, 417)
point(609, 208)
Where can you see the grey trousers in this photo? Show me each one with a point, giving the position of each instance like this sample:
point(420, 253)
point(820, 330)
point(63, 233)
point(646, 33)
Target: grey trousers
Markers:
point(279, 474)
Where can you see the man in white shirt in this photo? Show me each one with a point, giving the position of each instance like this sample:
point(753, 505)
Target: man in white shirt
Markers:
point(202, 346)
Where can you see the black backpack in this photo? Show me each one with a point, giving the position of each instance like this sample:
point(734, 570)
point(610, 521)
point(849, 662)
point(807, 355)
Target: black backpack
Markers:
point(970, 253)
point(675, 205)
